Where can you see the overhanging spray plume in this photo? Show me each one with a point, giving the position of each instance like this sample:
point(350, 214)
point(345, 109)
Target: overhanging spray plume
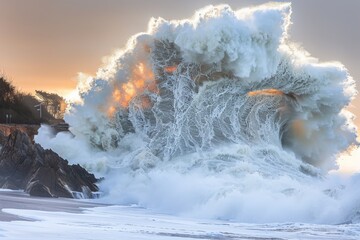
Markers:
point(221, 111)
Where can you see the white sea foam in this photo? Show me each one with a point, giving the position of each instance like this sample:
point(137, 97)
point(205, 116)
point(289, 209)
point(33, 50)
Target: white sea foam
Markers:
point(119, 222)
point(218, 116)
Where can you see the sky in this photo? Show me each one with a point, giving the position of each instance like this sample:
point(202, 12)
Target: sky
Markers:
point(44, 44)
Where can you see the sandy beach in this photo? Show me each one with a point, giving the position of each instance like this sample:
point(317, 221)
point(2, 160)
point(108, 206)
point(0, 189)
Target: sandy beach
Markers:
point(20, 200)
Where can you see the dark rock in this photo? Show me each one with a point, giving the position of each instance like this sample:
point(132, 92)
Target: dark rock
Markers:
point(3, 139)
point(38, 189)
point(30, 130)
point(60, 127)
point(24, 165)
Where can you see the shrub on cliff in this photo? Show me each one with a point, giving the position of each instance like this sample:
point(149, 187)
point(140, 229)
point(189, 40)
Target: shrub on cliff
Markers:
point(19, 106)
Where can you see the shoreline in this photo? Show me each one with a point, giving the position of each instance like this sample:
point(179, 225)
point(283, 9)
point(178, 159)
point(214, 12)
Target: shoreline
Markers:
point(17, 199)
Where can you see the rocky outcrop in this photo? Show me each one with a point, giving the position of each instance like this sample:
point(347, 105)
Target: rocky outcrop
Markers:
point(30, 130)
point(40, 172)
point(2, 139)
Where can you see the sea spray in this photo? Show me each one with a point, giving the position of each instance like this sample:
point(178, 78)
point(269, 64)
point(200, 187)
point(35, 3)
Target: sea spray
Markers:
point(218, 116)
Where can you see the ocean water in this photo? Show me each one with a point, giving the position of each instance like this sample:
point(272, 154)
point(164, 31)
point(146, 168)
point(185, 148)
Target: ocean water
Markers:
point(220, 117)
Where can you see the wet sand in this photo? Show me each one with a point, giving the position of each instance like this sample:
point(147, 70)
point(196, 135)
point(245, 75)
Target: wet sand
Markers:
point(21, 200)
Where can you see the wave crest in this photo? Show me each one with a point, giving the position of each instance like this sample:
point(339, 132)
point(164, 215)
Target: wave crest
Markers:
point(224, 95)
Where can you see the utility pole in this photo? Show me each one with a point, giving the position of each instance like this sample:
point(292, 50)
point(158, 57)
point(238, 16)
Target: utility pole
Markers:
point(39, 109)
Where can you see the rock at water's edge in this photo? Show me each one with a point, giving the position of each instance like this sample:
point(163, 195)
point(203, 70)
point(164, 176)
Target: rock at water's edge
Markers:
point(40, 172)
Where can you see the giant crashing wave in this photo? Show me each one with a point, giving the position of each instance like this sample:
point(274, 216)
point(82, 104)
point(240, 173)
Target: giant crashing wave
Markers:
point(218, 116)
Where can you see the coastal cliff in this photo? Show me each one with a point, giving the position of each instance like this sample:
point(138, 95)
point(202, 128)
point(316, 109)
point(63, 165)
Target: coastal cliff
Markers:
point(28, 166)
